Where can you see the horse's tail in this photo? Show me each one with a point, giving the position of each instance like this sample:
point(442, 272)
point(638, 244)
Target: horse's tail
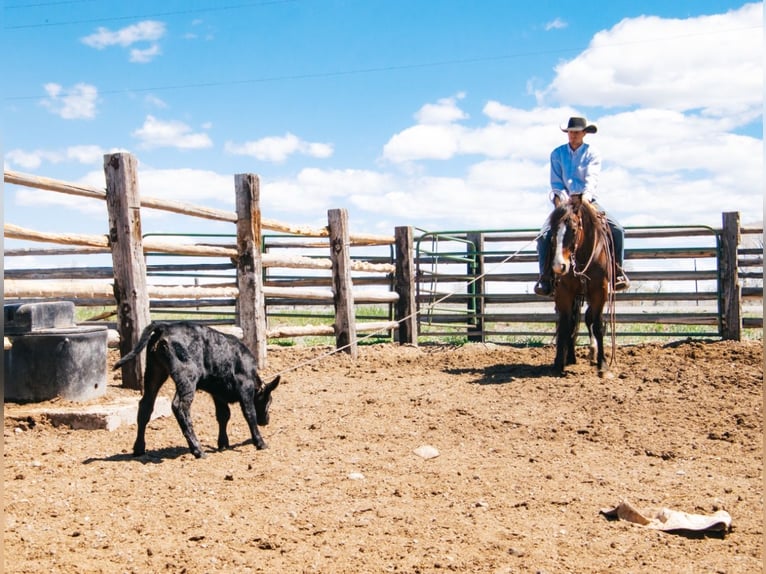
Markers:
point(142, 342)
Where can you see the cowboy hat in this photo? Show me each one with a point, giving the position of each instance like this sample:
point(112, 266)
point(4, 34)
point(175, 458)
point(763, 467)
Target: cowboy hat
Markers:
point(578, 125)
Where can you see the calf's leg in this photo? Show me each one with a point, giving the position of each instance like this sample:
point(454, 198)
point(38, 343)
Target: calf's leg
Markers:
point(182, 410)
point(154, 377)
point(248, 411)
point(222, 415)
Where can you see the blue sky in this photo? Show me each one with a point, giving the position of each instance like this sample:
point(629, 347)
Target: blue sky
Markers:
point(437, 114)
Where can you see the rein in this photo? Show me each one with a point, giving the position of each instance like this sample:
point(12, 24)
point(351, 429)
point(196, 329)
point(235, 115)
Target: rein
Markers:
point(595, 249)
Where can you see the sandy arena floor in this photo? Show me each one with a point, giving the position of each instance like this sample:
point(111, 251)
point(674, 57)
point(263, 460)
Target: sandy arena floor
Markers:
point(526, 461)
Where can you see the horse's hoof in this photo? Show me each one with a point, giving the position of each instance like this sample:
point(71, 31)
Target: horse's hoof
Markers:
point(605, 374)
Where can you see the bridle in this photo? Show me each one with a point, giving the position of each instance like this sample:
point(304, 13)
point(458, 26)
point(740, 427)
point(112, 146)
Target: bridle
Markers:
point(573, 220)
point(579, 233)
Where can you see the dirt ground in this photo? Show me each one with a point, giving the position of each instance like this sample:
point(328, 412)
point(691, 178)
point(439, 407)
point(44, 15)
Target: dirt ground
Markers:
point(526, 461)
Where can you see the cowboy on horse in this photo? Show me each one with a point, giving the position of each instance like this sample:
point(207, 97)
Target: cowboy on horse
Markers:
point(575, 170)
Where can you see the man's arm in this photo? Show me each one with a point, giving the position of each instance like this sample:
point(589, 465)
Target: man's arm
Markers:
point(592, 174)
point(558, 187)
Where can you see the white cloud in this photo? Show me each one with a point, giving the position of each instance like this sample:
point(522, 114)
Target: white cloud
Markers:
point(510, 132)
point(26, 159)
point(32, 160)
point(671, 154)
point(646, 151)
point(85, 154)
point(197, 33)
point(313, 191)
point(680, 138)
point(278, 148)
point(157, 133)
point(437, 135)
point(142, 56)
point(713, 63)
point(421, 142)
point(149, 31)
point(79, 102)
point(155, 101)
point(61, 202)
point(146, 31)
point(188, 185)
point(444, 111)
point(556, 24)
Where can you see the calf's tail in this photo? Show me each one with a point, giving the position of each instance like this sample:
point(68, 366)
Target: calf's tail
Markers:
point(142, 342)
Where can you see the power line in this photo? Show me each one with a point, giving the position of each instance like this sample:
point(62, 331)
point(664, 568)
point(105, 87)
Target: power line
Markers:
point(138, 17)
point(43, 4)
point(316, 75)
point(380, 69)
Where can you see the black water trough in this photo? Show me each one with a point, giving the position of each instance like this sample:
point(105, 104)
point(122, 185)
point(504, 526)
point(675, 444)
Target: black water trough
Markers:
point(50, 356)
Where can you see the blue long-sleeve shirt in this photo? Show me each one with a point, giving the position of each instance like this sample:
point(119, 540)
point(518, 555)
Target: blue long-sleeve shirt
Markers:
point(575, 172)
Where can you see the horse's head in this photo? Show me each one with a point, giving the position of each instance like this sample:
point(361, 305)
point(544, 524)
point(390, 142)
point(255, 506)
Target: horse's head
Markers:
point(566, 232)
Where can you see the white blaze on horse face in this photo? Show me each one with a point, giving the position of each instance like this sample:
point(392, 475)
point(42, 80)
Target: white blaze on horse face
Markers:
point(560, 264)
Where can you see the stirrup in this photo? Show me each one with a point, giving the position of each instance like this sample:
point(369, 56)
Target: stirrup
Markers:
point(621, 281)
point(544, 287)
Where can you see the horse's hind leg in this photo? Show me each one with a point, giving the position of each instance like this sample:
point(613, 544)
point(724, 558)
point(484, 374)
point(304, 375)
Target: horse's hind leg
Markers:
point(596, 328)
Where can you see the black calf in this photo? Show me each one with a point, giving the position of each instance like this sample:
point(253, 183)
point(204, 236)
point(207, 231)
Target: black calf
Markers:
point(198, 357)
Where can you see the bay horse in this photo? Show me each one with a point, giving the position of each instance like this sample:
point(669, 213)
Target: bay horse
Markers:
point(582, 254)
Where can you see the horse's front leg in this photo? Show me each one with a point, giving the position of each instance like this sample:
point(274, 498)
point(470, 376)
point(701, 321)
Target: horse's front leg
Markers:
point(574, 328)
point(563, 341)
point(595, 324)
point(565, 336)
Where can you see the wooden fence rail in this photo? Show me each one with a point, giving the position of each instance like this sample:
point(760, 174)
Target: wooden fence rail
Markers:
point(478, 284)
point(132, 293)
point(248, 272)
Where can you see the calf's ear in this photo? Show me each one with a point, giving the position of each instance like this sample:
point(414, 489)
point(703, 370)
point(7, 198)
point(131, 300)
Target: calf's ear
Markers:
point(272, 385)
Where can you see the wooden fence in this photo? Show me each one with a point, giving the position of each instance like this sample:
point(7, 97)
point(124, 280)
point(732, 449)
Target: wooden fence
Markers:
point(132, 293)
point(478, 284)
point(251, 272)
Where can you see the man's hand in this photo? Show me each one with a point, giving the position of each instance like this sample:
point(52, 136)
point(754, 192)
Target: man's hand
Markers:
point(558, 197)
point(580, 198)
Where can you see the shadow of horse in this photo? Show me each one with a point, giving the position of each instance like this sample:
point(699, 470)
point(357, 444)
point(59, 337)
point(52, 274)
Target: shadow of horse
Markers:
point(504, 374)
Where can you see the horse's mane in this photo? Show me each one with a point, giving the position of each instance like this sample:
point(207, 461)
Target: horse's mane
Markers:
point(559, 213)
point(588, 215)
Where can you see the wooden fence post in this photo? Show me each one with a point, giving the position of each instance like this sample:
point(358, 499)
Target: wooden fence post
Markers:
point(252, 303)
point(475, 273)
point(731, 304)
point(123, 202)
point(404, 284)
point(343, 296)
